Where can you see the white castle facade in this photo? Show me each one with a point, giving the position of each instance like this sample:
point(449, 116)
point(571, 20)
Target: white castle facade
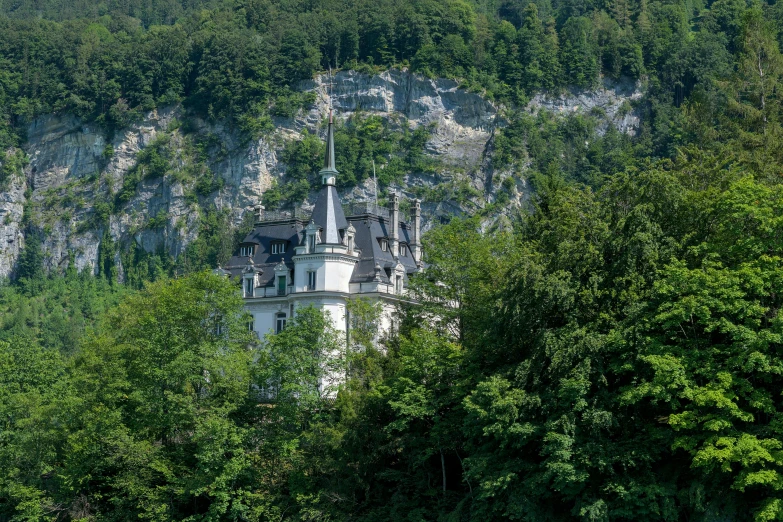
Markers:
point(326, 257)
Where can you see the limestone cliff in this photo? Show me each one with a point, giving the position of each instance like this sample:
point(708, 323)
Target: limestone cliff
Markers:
point(80, 186)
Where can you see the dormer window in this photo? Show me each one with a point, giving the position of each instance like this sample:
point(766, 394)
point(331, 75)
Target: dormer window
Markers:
point(249, 287)
point(246, 250)
point(278, 248)
point(312, 237)
point(348, 238)
point(403, 250)
point(384, 245)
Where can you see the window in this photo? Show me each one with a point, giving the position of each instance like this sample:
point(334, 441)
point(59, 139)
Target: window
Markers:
point(280, 322)
point(246, 251)
point(384, 245)
point(249, 287)
point(281, 285)
point(350, 244)
point(311, 280)
point(403, 250)
point(278, 248)
point(311, 243)
point(250, 325)
point(399, 284)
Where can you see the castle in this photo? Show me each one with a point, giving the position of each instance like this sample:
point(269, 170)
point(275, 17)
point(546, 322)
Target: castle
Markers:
point(326, 257)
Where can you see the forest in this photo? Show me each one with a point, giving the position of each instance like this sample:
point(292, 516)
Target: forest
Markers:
point(615, 355)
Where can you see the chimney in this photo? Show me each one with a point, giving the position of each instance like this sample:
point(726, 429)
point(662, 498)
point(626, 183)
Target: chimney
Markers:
point(395, 226)
point(416, 234)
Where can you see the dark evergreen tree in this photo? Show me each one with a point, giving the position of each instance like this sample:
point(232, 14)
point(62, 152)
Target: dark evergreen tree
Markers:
point(30, 263)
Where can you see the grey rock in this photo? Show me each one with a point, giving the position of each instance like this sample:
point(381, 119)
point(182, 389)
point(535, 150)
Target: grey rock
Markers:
point(612, 98)
point(66, 161)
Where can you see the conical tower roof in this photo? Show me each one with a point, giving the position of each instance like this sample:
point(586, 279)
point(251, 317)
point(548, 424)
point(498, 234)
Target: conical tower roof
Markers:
point(328, 211)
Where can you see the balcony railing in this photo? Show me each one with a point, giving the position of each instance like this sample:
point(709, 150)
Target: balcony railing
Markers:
point(358, 209)
point(365, 207)
point(301, 214)
point(350, 209)
point(377, 287)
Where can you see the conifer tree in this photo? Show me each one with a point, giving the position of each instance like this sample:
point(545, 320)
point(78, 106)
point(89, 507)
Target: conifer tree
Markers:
point(531, 50)
point(30, 265)
point(552, 66)
point(756, 89)
point(577, 52)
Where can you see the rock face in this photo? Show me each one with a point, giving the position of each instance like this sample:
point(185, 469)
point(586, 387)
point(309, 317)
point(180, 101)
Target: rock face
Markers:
point(463, 121)
point(75, 170)
point(12, 200)
point(612, 102)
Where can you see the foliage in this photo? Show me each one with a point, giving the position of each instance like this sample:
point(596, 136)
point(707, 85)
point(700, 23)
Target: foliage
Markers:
point(154, 371)
point(11, 166)
point(55, 312)
point(241, 61)
point(365, 143)
point(616, 355)
point(217, 241)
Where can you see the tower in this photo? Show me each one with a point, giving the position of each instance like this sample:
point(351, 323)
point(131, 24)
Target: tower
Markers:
point(326, 256)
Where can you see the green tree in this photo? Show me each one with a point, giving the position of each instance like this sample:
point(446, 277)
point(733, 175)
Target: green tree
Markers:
point(531, 50)
point(710, 351)
point(464, 269)
point(753, 96)
point(30, 264)
point(161, 384)
point(34, 397)
point(578, 52)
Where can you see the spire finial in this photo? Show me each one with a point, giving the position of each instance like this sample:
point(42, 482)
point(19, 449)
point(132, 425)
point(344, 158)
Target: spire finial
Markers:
point(329, 172)
point(330, 94)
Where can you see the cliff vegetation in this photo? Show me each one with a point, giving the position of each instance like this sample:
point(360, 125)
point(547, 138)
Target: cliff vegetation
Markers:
point(615, 354)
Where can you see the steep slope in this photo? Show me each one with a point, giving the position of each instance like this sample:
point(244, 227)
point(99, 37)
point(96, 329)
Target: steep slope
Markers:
point(149, 184)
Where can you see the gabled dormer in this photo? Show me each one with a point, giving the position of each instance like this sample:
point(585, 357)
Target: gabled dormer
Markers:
point(248, 249)
point(250, 275)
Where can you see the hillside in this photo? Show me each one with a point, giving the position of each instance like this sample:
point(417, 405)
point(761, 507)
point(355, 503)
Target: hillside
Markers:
point(597, 335)
point(131, 129)
point(75, 171)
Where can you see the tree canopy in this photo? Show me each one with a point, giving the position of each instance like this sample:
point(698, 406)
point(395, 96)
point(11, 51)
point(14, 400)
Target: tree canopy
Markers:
point(615, 354)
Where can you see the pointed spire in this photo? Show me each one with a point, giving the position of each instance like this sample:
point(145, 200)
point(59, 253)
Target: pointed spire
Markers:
point(329, 167)
point(329, 172)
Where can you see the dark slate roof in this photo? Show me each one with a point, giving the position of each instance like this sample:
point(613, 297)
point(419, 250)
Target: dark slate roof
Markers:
point(262, 236)
point(328, 214)
point(369, 229)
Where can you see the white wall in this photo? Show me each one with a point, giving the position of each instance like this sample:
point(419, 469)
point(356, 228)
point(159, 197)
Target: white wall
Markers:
point(265, 315)
point(339, 271)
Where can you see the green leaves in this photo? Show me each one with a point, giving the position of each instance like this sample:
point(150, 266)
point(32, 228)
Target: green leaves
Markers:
point(713, 342)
